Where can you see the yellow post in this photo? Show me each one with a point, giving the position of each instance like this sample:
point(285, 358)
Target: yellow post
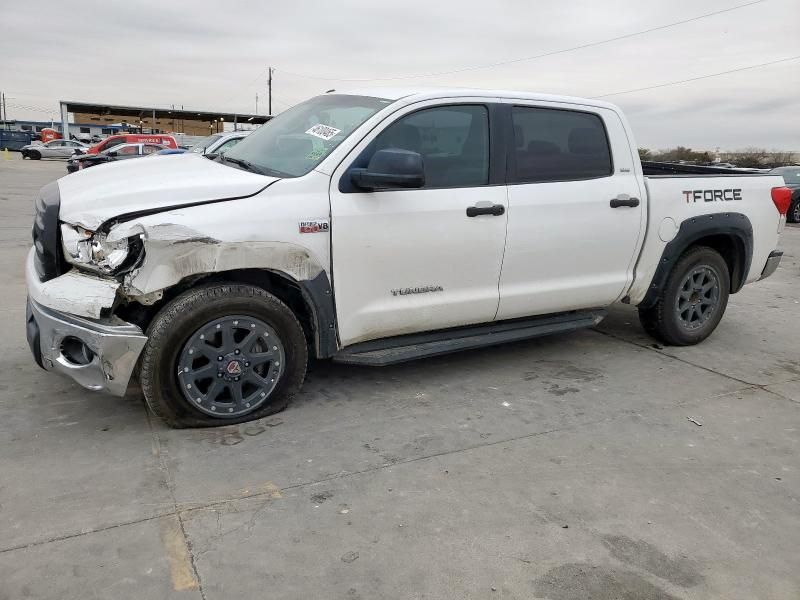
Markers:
point(6, 155)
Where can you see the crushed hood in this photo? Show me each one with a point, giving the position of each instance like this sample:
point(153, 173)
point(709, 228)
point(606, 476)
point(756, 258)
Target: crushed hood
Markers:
point(92, 196)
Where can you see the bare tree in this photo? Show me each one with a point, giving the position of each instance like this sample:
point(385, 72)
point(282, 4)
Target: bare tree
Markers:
point(682, 153)
point(753, 158)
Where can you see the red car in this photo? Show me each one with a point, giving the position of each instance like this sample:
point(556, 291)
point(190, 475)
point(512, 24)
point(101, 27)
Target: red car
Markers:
point(133, 138)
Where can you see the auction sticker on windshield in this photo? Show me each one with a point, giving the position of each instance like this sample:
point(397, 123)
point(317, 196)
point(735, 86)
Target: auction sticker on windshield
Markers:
point(325, 132)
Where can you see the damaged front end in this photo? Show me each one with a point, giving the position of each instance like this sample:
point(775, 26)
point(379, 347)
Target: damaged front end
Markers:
point(99, 252)
point(70, 330)
point(70, 325)
point(91, 282)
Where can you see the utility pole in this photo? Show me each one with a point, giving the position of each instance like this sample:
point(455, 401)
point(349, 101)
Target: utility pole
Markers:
point(256, 103)
point(269, 87)
point(4, 113)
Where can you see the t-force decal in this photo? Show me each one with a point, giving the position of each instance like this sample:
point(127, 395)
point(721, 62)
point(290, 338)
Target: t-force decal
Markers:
point(712, 195)
point(314, 226)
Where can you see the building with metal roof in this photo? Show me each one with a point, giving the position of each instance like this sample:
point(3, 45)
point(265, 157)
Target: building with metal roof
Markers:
point(156, 120)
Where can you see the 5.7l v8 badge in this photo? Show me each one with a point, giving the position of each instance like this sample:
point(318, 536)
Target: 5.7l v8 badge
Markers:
point(315, 226)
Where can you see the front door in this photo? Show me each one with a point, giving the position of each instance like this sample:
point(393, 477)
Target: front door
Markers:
point(569, 246)
point(412, 260)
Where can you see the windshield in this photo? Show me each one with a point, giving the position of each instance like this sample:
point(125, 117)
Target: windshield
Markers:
point(200, 146)
point(791, 175)
point(297, 140)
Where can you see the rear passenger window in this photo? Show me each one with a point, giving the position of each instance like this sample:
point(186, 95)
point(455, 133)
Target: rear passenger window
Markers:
point(558, 145)
point(453, 142)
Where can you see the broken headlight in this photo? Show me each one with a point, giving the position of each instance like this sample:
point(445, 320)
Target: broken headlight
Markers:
point(94, 251)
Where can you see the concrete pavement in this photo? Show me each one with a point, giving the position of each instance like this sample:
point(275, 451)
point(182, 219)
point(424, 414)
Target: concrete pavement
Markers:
point(559, 468)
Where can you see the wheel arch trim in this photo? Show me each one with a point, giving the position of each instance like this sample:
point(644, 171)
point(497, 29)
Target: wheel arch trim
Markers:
point(316, 294)
point(734, 227)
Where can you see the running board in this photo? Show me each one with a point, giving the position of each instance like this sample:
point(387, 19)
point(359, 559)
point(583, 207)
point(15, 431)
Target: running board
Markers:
point(390, 351)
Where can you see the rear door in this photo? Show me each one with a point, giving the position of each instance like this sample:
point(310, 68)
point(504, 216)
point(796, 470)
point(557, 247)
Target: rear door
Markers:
point(68, 149)
point(575, 210)
point(412, 260)
point(52, 149)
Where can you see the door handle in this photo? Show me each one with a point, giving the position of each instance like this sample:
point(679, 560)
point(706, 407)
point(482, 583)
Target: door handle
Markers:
point(624, 200)
point(490, 209)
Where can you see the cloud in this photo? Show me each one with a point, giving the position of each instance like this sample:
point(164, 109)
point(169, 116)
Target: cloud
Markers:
point(211, 55)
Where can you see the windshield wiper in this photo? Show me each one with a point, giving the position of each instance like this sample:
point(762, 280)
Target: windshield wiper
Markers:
point(245, 164)
point(248, 166)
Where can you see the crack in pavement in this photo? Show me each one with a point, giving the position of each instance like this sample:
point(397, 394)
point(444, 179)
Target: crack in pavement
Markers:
point(748, 384)
point(179, 509)
point(180, 579)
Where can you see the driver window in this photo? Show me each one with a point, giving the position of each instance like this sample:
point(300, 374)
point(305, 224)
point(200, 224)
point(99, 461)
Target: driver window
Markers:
point(453, 142)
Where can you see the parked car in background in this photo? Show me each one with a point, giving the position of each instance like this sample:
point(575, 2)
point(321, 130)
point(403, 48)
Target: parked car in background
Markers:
point(167, 141)
point(115, 153)
point(219, 142)
point(791, 175)
point(53, 149)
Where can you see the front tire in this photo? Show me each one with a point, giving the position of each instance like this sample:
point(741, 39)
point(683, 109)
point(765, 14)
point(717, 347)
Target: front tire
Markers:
point(693, 300)
point(34, 154)
point(222, 354)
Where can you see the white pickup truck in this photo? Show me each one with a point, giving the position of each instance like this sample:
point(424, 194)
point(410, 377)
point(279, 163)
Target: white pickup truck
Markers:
point(375, 227)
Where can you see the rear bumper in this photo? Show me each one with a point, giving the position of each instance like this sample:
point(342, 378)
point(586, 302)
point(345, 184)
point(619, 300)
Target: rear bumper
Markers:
point(109, 349)
point(772, 264)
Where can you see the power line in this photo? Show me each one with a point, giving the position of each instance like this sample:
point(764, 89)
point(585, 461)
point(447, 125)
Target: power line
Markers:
point(31, 108)
point(660, 85)
point(529, 58)
point(239, 90)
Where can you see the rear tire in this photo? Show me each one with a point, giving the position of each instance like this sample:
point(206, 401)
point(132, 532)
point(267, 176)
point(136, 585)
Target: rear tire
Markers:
point(207, 361)
point(693, 300)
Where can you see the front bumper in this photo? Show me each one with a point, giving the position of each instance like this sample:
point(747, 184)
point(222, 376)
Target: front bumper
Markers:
point(773, 261)
point(69, 330)
point(113, 347)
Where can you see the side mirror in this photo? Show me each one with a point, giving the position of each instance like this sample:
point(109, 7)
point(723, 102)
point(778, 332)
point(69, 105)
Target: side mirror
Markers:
point(112, 153)
point(391, 168)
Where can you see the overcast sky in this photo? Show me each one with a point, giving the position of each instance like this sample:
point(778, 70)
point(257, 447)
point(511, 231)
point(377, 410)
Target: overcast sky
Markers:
point(214, 55)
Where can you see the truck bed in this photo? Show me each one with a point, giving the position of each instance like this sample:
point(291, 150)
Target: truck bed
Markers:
point(656, 169)
point(672, 200)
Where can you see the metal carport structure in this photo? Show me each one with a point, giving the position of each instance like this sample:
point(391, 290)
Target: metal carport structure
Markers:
point(142, 113)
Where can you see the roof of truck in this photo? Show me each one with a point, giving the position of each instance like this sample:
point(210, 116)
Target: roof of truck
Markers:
point(426, 93)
